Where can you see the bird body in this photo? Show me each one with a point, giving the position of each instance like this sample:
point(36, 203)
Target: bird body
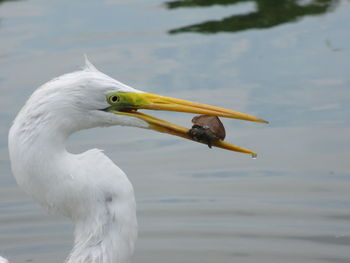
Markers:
point(88, 187)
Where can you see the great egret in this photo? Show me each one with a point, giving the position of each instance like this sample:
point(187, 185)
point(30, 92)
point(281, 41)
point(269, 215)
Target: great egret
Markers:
point(88, 187)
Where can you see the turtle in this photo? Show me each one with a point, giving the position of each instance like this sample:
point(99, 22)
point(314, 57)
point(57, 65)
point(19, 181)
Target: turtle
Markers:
point(207, 129)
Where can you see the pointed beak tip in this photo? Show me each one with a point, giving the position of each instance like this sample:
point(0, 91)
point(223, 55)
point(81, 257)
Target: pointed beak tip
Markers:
point(156, 102)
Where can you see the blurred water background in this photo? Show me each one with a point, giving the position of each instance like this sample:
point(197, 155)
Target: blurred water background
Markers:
point(286, 61)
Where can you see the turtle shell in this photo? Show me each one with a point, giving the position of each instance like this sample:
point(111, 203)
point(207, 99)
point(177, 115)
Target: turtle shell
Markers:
point(206, 129)
point(212, 123)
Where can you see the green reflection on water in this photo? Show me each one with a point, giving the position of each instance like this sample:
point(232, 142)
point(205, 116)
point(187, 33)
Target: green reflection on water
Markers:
point(2, 1)
point(269, 13)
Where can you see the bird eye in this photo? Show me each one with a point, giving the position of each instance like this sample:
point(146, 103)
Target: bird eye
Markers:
point(113, 99)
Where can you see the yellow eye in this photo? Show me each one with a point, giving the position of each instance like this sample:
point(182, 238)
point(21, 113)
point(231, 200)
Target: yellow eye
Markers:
point(113, 99)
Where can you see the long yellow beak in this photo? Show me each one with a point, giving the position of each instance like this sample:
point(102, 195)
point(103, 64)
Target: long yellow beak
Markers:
point(127, 103)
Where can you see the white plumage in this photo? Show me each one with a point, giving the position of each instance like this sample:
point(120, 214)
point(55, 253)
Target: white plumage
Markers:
point(3, 260)
point(88, 187)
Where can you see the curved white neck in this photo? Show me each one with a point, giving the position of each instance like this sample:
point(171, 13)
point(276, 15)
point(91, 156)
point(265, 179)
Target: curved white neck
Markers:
point(88, 188)
point(107, 237)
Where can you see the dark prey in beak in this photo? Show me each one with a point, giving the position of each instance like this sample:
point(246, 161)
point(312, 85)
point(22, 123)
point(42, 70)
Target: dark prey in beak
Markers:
point(207, 129)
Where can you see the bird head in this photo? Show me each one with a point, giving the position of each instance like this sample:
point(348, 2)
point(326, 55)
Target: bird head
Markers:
point(89, 98)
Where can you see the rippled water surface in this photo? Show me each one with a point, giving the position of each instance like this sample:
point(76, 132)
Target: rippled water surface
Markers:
point(286, 61)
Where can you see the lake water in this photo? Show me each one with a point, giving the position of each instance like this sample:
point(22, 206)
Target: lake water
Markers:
point(286, 61)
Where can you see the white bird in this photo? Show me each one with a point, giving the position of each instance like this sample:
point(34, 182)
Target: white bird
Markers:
point(89, 188)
